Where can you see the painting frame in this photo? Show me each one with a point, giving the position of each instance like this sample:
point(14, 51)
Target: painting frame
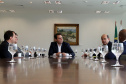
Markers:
point(72, 29)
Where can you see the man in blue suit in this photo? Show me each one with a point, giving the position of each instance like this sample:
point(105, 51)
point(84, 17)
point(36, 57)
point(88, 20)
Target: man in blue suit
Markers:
point(59, 47)
point(106, 41)
point(122, 38)
point(9, 38)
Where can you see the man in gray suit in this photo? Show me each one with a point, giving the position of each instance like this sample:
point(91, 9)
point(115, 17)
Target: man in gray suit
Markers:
point(19, 50)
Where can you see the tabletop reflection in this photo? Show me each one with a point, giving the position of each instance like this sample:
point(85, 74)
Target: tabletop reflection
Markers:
point(69, 70)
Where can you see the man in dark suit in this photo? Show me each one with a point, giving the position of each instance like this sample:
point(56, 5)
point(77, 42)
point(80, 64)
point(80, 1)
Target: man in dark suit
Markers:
point(9, 38)
point(59, 47)
point(106, 41)
point(122, 39)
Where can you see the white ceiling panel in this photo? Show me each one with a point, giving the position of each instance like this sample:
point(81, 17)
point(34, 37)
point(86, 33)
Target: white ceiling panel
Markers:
point(67, 6)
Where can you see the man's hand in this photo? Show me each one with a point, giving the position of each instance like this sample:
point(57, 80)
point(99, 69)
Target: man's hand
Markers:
point(64, 54)
point(84, 55)
point(57, 54)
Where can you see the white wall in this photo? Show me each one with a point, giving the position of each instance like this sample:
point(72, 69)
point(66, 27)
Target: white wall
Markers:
point(38, 29)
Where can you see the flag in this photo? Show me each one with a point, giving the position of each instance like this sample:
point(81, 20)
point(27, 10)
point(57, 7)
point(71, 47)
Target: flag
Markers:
point(120, 25)
point(116, 35)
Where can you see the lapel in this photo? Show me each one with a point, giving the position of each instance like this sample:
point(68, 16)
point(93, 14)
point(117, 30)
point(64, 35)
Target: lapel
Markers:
point(109, 46)
point(62, 48)
point(56, 46)
point(124, 43)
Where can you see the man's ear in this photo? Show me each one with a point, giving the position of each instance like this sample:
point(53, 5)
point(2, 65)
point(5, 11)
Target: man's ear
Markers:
point(121, 39)
point(11, 37)
point(55, 40)
point(109, 39)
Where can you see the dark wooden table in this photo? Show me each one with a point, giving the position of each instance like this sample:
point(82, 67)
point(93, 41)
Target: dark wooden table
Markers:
point(69, 71)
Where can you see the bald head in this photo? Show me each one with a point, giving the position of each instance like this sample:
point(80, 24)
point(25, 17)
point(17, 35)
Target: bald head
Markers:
point(122, 35)
point(105, 39)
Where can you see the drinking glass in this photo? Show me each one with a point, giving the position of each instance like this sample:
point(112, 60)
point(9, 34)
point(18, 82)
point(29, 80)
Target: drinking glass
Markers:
point(97, 52)
point(33, 50)
point(91, 53)
point(75, 52)
point(82, 51)
point(88, 53)
point(104, 52)
point(24, 50)
point(117, 49)
point(38, 51)
point(44, 51)
point(12, 48)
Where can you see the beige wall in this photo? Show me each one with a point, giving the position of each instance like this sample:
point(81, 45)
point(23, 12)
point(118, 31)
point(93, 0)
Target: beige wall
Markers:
point(38, 29)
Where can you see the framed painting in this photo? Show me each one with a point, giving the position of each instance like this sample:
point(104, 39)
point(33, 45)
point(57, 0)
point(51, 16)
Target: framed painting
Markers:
point(70, 32)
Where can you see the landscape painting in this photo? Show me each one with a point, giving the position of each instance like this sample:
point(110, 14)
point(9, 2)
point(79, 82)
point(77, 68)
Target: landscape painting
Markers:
point(70, 32)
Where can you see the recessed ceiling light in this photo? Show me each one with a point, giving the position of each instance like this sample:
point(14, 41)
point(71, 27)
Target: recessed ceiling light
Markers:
point(117, 2)
point(98, 11)
point(51, 11)
point(3, 11)
point(107, 12)
point(122, 5)
point(47, 2)
point(58, 2)
point(31, 2)
point(1, 1)
point(12, 11)
point(60, 11)
point(85, 1)
point(105, 2)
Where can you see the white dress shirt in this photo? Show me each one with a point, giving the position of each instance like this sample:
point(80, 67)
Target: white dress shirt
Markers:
point(59, 50)
point(59, 47)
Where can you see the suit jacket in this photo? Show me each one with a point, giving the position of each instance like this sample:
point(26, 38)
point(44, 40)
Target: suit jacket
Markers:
point(64, 48)
point(18, 51)
point(110, 55)
point(123, 55)
point(4, 53)
point(22, 54)
point(124, 52)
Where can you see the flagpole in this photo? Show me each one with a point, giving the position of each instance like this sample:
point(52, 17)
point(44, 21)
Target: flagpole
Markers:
point(120, 25)
point(116, 35)
point(121, 22)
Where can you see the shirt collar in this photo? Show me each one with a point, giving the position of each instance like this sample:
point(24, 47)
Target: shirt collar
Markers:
point(124, 40)
point(58, 45)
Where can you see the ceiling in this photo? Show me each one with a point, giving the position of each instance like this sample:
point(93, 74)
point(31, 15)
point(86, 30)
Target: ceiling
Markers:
point(67, 6)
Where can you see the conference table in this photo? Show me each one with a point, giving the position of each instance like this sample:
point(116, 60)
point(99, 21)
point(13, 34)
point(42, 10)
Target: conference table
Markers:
point(61, 70)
